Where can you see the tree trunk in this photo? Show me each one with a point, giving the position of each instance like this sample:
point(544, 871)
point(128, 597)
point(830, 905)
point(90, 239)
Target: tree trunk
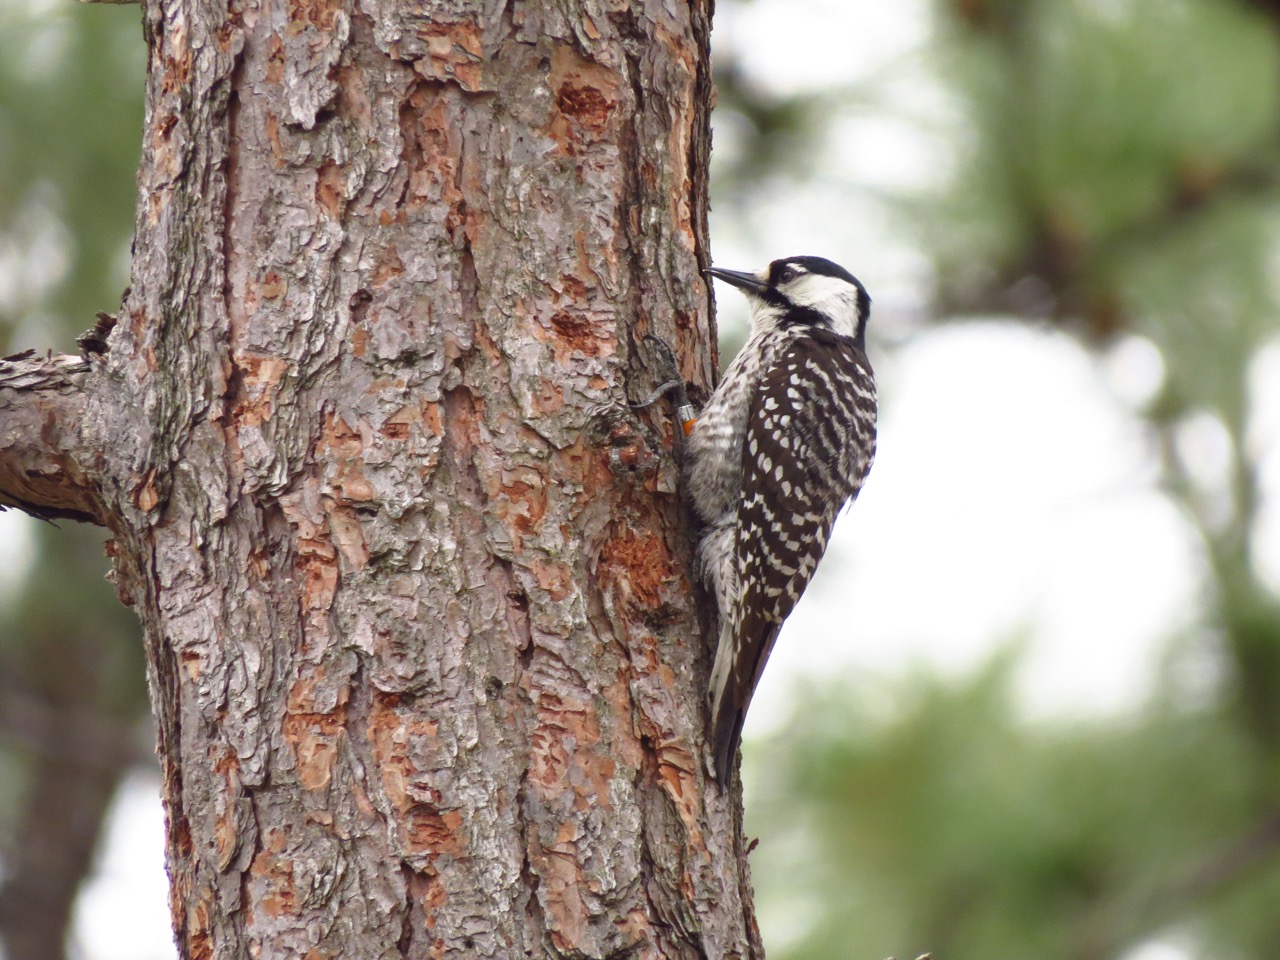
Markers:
point(422, 640)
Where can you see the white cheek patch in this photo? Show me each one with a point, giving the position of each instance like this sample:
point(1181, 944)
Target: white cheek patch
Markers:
point(830, 296)
point(813, 290)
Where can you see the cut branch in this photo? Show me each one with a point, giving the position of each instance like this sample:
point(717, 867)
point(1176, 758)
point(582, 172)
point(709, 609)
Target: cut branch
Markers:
point(42, 403)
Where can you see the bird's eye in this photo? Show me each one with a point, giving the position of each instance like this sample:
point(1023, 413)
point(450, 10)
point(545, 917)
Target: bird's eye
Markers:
point(787, 274)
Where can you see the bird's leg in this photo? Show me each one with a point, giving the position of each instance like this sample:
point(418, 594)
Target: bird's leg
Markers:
point(673, 385)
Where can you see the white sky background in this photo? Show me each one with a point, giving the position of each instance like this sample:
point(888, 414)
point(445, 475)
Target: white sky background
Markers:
point(1013, 493)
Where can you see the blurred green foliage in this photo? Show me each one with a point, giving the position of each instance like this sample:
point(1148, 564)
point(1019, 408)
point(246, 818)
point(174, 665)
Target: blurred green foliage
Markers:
point(70, 129)
point(1094, 127)
point(957, 827)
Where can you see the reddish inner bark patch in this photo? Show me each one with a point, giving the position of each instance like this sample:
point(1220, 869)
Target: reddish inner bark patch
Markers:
point(199, 934)
point(576, 334)
point(455, 51)
point(671, 762)
point(145, 495)
point(348, 534)
point(461, 416)
point(272, 127)
point(313, 736)
point(522, 501)
point(257, 378)
point(574, 288)
point(573, 464)
point(259, 564)
point(427, 888)
point(586, 100)
point(353, 103)
point(273, 869)
point(549, 761)
point(344, 447)
point(275, 59)
point(676, 766)
point(226, 831)
point(137, 323)
point(398, 736)
point(177, 67)
point(226, 837)
point(161, 140)
point(338, 438)
point(432, 150)
point(641, 564)
point(549, 398)
point(321, 14)
point(554, 577)
point(560, 871)
point(431, 418)
point(360, 342)
point(272, 286)
point(315, 558)
point(318, 562)
point(331, 189)
point(431, 830)
point(399, 424)
point(564, 753)
point(180, 837)
point(586, 105)
point(227, 32)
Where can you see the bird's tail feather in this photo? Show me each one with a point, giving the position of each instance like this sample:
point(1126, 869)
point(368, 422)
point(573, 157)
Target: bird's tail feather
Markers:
point(728, 736)
point(733, 683)
point(726, 717)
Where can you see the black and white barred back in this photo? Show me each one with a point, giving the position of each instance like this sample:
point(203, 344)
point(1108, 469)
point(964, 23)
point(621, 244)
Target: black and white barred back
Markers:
point(785, 441)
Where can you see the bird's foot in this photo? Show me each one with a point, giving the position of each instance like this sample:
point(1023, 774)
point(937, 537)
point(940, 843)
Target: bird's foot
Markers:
point(673, 385)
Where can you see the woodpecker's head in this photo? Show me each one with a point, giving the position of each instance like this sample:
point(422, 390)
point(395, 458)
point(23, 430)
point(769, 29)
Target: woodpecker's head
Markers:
point(810, 290)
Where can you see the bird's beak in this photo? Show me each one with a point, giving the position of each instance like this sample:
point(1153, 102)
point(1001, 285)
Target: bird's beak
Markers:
point(740, 279)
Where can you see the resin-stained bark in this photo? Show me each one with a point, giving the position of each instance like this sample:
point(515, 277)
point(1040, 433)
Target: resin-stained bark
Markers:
point(423, 645)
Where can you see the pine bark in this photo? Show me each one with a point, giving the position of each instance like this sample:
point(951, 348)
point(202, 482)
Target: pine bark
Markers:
point(423, 643)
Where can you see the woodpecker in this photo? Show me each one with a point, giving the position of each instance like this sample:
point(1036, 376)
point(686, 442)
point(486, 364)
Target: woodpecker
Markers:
point(785, 441)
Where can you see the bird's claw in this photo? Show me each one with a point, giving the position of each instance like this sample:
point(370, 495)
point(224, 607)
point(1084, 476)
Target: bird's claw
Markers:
point(672, 380)
point(673, 384)
point(665, 348)
point(658, 394)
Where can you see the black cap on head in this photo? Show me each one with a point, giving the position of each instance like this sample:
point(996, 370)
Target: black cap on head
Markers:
point(818, 265)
